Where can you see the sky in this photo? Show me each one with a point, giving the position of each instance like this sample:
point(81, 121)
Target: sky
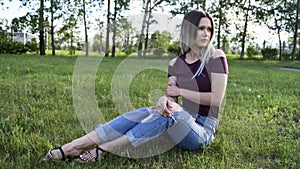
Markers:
point(13, 10)
point(135, 15)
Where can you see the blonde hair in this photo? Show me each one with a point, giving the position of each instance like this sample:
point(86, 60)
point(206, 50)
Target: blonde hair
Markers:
point(206, 53)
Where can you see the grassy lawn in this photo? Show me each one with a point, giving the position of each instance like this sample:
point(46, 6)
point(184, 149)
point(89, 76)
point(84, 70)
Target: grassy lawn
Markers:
point(259, 126)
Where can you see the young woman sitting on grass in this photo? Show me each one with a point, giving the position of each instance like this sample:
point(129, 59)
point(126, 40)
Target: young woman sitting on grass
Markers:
point(198, 76)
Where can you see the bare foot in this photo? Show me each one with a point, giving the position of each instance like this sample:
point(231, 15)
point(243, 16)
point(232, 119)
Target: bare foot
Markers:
point(60, 154)
point(91, 155)
point(54, 154)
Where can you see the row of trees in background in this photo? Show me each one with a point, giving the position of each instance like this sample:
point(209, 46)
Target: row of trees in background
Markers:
point(277, 15)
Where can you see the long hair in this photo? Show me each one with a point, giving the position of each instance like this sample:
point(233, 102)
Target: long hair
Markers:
point(188, 35)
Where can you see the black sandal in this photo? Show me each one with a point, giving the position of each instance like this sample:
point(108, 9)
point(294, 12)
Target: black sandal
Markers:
point(49, 156)
point(91, 157)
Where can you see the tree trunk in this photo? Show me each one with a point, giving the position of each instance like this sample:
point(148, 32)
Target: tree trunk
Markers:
point(146, 45)
point(85, 31)
point(142, 31)
point(219, 24)
point(245, 33)
point(12, 33)
point(41, 27)
point(299, 51)
point(100, 48)
point(279, 38)
point(219, 33)
point(107, 29)
point(113, 51)
point(52, 29)
point(283, 46)
point(280, 48)
point(295, 33)
point(204, 5)
point(147, 32)
point(72, 48)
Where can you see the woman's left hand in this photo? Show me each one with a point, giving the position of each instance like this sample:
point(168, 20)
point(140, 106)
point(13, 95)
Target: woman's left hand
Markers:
point(173, 90)
point(174, 107)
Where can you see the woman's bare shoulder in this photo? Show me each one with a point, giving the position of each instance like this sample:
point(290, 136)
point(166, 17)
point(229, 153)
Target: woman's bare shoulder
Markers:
point(219, 53)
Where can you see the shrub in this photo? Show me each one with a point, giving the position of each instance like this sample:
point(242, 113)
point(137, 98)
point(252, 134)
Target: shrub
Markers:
point(9, 46)
point(17, 48)
point(121, 54)
point(286, 55)
point(129, 49)
point(174, 49)
point(12, 47)
point(251, 51)
point(158, 52)
point(32, 45)
point(72, 50)
point(269, 53)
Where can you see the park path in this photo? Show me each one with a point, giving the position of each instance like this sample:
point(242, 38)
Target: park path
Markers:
point(289, 69)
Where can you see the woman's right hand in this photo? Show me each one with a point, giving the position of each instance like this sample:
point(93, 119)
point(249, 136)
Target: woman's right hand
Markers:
point(163, 106)
point(166, 107)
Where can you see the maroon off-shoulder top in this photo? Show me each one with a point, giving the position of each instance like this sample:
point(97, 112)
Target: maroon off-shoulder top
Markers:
point(202, 83)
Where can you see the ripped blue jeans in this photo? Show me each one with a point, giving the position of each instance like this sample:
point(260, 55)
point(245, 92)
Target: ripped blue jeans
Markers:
point(190, 131)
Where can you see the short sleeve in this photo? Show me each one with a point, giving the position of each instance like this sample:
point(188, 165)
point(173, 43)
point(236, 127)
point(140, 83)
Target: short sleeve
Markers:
point(171, 67)
point(219, 65)
point(171, 71)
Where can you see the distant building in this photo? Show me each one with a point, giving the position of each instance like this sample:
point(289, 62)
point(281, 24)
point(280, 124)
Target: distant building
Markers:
point(24, 37)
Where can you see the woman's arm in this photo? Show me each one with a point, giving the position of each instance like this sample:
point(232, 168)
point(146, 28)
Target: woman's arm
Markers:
point(166, 105)
point(213, 98)
point(172, 82)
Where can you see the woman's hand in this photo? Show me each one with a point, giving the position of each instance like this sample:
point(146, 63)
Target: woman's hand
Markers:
point(163, 106)
point(166, 107)
point(173, 90)
point(174, 107)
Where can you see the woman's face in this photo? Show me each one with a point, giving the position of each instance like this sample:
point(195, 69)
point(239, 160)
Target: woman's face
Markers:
point(204, 33)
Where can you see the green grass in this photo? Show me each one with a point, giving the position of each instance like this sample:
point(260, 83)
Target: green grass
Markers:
point(259, 127)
